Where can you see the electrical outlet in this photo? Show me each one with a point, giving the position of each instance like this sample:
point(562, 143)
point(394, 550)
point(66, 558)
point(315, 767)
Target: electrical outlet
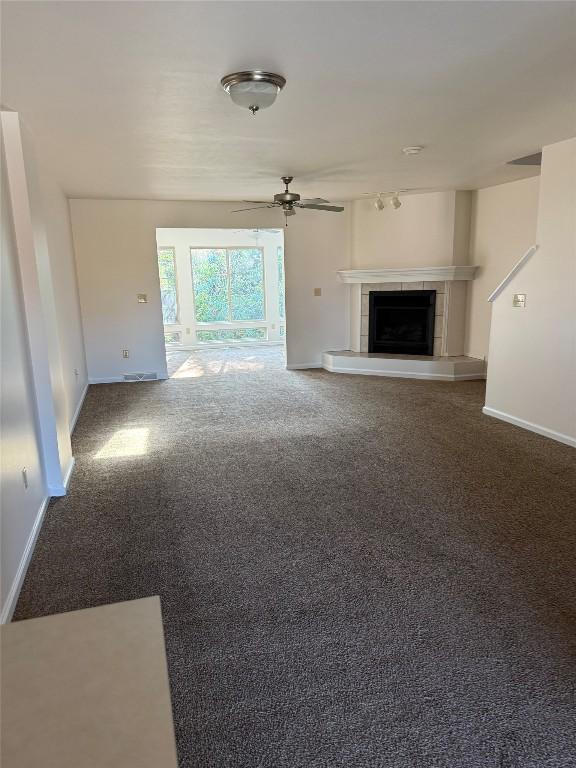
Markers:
point(317, 291)
point(25, 477)
point(76, 372)
point(519, 300)
point(125, 353)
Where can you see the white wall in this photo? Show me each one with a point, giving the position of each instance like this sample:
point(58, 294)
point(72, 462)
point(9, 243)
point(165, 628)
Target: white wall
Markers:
point(532, 353)
point(56, 215)
point(184, 239)
point(20, 441)
point(429, 229)
point(503, 227)
point(38, 301)
point(115, 246)
point(40, 330)
point(47, 310)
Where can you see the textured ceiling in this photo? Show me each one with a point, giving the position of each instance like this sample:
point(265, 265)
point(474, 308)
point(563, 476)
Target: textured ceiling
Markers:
point(124, 98)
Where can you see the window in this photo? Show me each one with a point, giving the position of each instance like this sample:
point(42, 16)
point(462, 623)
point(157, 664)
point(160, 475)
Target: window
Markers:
point(173, 337)
point(168, 293)
point(228, 284)
point(281, 286)
point(232, 334)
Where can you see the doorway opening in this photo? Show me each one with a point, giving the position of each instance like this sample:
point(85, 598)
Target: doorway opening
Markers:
point(221, 289)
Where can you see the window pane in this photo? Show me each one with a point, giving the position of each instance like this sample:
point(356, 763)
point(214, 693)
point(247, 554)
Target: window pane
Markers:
point(173, 337)
point(232, 334)
point(168, 294)
point(209, 277)
point(246, 284)
point(281, 288)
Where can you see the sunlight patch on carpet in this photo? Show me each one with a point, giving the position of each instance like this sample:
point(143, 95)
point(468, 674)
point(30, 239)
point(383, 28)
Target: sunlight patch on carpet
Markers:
point(125, 442)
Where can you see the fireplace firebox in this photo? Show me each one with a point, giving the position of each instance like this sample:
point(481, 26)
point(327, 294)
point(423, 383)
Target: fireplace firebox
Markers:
point(401, 322)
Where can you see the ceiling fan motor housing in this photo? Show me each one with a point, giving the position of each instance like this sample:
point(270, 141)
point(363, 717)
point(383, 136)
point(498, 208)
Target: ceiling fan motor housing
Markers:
point(286, 196)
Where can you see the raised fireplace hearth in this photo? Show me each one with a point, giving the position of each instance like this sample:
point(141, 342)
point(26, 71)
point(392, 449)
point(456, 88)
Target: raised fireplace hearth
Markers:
point(419, 335)
point(401, 322)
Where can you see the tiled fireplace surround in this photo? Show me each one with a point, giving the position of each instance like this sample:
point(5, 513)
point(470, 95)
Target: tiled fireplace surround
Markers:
point(449, 284)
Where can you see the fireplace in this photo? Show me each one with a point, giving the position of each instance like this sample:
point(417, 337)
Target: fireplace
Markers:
point(401, 322)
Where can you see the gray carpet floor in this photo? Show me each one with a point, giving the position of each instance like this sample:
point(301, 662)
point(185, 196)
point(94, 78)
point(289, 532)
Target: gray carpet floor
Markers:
point(355, 572)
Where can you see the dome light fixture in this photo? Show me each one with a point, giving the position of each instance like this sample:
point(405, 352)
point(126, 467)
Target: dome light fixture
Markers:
point(254, 89)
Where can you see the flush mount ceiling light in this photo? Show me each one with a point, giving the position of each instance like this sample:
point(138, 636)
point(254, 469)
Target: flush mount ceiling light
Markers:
point(412, 150)
point(253, 90)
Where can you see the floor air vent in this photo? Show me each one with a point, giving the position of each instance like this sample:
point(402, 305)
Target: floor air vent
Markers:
point(140, 376)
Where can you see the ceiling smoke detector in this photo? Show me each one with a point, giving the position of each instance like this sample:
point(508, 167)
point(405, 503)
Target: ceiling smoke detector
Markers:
point(254, 89)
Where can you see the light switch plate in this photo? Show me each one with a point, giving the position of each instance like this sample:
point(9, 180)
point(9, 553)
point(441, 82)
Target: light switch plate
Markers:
point(519, 300)
point(317, 291)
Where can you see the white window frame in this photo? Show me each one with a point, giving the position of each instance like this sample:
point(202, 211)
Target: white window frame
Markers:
point(175, 262)
point(230, 324)
point(186, 239)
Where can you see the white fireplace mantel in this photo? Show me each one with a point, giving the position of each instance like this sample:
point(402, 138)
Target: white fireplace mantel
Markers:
point(407, 275)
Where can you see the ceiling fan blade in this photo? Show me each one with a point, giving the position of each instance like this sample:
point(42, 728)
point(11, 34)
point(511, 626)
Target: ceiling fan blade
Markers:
point(255, 208)
point(317, 200)
point(262, 202)
point(318, 207)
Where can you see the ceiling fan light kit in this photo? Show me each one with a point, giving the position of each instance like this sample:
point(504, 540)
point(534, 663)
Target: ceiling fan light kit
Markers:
point(253, 89)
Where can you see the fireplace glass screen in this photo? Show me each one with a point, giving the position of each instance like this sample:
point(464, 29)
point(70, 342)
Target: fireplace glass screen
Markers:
point(401, 322)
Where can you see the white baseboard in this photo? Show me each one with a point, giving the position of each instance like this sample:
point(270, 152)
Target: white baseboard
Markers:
point(544, 431)
point(122, 380)
point(61, 490)
point(78, 408)
point(302, 366)
point(107, 380)
point(12, 598)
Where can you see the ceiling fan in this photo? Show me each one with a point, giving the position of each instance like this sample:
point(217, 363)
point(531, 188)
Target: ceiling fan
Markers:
point(289, 201)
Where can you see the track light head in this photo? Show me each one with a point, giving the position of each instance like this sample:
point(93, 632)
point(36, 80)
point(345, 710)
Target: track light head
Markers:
point(379, 204)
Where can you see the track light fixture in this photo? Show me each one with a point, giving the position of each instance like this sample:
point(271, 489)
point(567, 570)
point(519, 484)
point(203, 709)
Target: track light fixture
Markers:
point(383, 198)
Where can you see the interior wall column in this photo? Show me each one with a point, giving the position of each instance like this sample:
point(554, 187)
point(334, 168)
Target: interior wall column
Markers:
point(55, 444)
